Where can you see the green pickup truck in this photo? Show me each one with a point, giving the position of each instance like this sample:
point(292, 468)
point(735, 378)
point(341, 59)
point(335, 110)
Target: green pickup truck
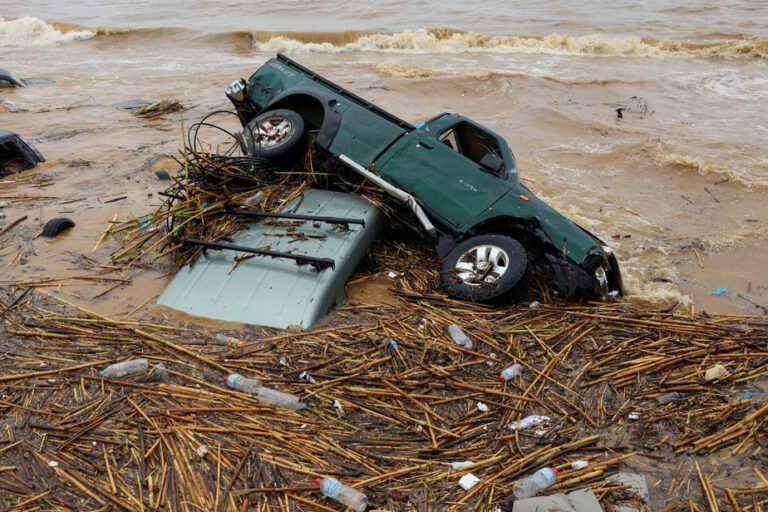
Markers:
point(458, 178)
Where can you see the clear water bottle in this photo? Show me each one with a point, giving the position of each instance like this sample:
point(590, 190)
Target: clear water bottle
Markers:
point(240, 383)
point(280, 399)
point(510, 373)
point(229, 341)
point(117, 370)
point(344, 494)
point(532, 485)
point(458, 336)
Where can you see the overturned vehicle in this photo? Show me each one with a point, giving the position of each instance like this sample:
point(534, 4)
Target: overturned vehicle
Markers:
point(458, 178)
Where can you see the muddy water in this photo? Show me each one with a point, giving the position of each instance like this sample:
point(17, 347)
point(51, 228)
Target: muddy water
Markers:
point(677, 184)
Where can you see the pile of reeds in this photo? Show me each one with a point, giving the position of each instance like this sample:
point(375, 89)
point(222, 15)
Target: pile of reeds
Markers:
point(159, 109)
point(393, 402)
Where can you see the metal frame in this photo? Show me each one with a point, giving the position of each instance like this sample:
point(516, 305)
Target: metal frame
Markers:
point(319, 264)
point(258, 214)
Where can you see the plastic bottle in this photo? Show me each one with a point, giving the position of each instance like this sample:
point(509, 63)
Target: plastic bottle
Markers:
point(344, 494)
point(229, 341)
point(510, 373)
point(159, 373)
point(240, 383)
point(458, 336)
point(265, 395)
point(279, 399)
point(117, 370)
point(532, 485)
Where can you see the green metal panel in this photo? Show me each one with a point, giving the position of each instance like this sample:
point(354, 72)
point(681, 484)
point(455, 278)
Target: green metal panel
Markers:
point(447, 184)
point(278, 292)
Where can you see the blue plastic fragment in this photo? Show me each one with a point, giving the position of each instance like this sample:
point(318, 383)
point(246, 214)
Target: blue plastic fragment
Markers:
point(747, 395)
point(719, 292)
point(419, 125)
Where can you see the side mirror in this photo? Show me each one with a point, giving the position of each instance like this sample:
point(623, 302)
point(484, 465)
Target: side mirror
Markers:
point(493, 162)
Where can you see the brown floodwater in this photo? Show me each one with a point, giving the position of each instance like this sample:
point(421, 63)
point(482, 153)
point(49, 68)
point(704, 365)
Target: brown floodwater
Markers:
point(676, 185)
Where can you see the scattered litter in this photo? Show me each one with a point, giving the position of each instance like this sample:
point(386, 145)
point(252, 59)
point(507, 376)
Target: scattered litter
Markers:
point(306, 377)
point(468, 481)
point(130, 367)
point(528, 422)
point(56, 226)
point(254, 199)
point(339, 408)
point(747, 395)
point(229, 341)
point(634, 416)
point(579, 464)
point(394, 345)
point(511, 372)
point(482, 407)
point(458, 336)
point(393, 275)
point(344, 494)
point(714, 372)
point(534, 305)
point(240, 383)
point(202, 451)
point(283, 361)
point(458, 466)
point(535, 483)
point(53, 464)
point(719, 292)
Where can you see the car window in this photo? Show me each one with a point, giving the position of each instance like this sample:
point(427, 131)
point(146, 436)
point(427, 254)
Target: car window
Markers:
point(477, 145)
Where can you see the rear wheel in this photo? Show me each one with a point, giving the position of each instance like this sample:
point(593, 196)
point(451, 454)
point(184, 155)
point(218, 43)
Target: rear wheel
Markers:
point(273, 134)
point(484, 268)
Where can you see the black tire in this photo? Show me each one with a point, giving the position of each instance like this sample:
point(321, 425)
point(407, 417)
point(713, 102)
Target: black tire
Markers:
point(288, 141)
point(55, 227)
point(488, 287)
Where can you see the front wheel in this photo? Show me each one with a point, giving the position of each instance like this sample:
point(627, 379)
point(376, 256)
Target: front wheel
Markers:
point(484, 268)
point(273, 134)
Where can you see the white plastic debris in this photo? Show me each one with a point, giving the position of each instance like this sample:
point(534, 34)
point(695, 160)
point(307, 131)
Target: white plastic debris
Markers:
point(468, 481)
point(534, 305)
point(117, 370)
point(482, 407)
point(202, 451)
point(392, 344)
point(579, 464)
point(510, 373)
point(714, 372)
point(392, 274)
point(528, 422)
point(634, 416)
point(458, 336)
point(339, 408)
point(53, 464)
point(282, 361)
point(458, 466)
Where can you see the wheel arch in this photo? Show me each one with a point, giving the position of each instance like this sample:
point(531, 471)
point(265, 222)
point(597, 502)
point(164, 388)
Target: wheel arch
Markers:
point(527, 231)
point(316, 110)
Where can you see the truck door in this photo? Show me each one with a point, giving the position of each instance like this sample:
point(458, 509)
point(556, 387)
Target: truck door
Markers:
point(449, 185)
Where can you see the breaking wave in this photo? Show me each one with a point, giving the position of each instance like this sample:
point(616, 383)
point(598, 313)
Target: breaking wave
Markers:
point(445, 40)
point(402, 71)
point(30, 31)
point(704, 168)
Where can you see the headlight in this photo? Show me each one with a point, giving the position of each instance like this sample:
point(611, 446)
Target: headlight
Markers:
point(601, 285)
point(236, 90)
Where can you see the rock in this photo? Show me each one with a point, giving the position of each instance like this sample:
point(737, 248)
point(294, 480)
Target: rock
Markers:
point(633, 481)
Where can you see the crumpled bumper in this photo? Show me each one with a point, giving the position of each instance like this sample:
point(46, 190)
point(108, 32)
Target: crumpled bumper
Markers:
point(16, 154)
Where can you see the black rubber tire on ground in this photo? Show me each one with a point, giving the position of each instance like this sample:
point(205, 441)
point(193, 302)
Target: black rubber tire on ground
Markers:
point(291, 141)
point(507, 284)
point(56, 226)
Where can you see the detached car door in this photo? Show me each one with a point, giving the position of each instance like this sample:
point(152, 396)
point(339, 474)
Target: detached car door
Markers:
point(448, 185)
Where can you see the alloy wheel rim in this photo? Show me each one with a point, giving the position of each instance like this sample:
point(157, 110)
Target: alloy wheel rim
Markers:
point(482, 264)
point(274, 130)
